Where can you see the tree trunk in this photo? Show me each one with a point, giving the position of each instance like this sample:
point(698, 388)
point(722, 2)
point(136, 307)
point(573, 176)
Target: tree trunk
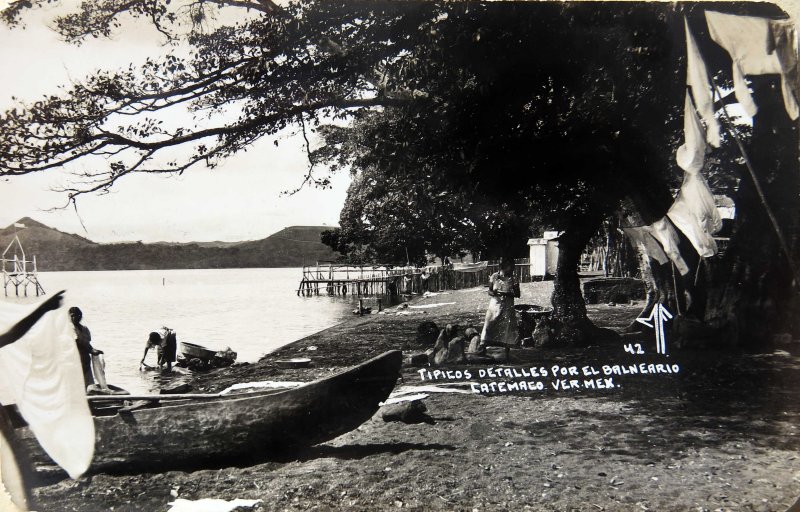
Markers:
point(651, 286)
point(750, 290)
point(569, 308)
point(657, 278)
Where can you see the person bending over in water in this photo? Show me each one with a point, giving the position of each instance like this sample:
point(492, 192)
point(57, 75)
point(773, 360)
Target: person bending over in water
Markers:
point(153, 341)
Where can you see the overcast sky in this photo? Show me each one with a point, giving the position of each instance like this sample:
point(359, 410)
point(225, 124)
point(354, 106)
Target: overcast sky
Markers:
point(240, 200)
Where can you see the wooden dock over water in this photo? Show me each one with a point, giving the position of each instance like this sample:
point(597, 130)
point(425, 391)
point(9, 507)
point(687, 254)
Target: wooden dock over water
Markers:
point(358, 280)
point(333, 279)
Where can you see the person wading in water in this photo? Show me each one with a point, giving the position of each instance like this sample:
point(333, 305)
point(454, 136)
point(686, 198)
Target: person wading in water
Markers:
point(83, 339)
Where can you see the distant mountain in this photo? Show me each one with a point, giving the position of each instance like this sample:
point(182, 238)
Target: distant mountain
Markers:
point(286, 245)
point(217, 243)
point(55, 250)
point(52, 248)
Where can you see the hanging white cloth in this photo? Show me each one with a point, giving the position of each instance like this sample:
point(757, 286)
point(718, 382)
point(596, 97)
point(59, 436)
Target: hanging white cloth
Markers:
point(697, 79)
point(642, 238)
point(692, 153)
point(784, 43)
point(695, 214)
point(666, 235)
point(99, 370)
point(748, 40)
point(694, 211)
point(13, 496)
point(42, 374)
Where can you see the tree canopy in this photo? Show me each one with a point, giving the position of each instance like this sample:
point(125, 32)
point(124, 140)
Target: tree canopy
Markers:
point(544, 111)
point(530, 81)
point(464, 120)
point(516, 109)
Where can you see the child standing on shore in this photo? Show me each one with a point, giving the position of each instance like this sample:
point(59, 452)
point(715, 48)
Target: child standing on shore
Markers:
point(500, 326)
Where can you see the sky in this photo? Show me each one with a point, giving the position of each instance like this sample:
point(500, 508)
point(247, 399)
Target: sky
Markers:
point(239, 200)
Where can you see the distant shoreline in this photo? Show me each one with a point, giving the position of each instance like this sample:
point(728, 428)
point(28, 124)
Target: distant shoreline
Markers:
point(56, 251)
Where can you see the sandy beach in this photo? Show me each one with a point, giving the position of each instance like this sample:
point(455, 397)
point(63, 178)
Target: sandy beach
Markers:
point(709, 431)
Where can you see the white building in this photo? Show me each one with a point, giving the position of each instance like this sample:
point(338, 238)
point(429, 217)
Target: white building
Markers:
point(544, 254)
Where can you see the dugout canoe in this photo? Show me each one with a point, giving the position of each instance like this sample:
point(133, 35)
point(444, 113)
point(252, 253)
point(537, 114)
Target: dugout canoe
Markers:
point(240, 428)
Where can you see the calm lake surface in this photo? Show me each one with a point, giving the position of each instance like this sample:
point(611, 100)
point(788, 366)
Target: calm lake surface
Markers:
point(252, 311)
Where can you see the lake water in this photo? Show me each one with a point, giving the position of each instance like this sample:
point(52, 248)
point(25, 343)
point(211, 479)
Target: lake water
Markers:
point(253, 311)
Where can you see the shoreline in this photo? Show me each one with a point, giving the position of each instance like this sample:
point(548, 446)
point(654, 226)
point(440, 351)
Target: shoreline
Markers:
point(721, 433)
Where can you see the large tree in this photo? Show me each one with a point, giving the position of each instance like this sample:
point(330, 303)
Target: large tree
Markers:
point(563, 108)
point(531, 123)
point(549, 103)
point(404, 201)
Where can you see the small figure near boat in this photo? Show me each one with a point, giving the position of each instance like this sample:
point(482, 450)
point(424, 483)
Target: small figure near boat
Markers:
point(83, 339)
point(500, 326)
point(166, 349)
point(154, 340)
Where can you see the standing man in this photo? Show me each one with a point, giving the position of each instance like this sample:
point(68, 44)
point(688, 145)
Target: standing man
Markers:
point(83, 338)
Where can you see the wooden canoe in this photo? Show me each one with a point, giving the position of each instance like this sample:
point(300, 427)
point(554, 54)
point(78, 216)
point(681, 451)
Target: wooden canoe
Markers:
point(240, 428)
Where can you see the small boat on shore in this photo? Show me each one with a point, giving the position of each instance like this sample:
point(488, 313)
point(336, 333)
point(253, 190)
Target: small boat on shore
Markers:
point(192, 350)
point(194, 431)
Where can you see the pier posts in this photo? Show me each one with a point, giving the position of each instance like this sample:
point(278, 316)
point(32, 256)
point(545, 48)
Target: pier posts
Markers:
point(381, 281)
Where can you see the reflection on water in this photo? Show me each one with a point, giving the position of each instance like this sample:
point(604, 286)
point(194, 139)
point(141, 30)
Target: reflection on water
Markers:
point(252, 311)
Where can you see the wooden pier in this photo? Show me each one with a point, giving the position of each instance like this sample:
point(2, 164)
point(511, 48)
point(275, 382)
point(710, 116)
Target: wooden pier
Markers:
point(326, 278)
point(356, 280)
point(18, 271)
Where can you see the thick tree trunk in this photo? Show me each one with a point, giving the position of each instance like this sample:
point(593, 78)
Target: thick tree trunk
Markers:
point(651, 286)
point(750, 288)
point(658, 282)
point(569, 308)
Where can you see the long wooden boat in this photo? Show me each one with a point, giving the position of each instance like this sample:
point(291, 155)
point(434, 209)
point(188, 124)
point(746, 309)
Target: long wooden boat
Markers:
point(239, 428)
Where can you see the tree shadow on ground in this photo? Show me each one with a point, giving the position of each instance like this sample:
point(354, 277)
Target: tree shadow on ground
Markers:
point(721, 401)
point(346, 452)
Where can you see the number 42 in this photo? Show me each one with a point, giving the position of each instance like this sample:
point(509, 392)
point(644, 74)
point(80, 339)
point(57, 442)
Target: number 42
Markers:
point(633, 348)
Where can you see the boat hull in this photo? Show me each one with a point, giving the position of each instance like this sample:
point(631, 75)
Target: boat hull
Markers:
point(244, 427)
point(190, 350)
